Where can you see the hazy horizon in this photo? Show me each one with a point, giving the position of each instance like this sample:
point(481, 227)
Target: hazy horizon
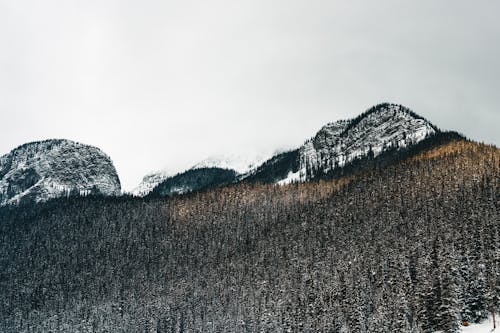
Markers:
point(158, 84)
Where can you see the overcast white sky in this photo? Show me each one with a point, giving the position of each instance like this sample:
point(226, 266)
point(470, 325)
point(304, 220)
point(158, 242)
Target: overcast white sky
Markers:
point(167, 83)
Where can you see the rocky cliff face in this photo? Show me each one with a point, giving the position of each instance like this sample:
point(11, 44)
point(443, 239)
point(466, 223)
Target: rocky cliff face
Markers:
point(39, 171)
point(383, 127)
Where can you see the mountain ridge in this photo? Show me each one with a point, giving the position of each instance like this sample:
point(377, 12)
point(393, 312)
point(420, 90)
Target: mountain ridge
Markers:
point(381, 128)
point(410, 247)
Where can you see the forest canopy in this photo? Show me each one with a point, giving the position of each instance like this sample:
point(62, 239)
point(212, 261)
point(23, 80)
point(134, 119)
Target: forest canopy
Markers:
point(410, 247)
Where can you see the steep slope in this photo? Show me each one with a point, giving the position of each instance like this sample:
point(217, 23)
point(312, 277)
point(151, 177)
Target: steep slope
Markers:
point(42, 170)
point(382, 128)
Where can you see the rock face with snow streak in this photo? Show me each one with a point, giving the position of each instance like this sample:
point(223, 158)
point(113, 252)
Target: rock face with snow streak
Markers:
point(381, 128)
point(42, 170)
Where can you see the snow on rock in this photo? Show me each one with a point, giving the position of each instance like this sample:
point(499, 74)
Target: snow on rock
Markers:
point(383, 127)
point(42, 170)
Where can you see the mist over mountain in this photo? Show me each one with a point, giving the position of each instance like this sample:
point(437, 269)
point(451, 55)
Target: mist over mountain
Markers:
point(382, 128)
point(237, 164)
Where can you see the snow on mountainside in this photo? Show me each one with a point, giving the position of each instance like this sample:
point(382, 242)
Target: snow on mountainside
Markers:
point(383, 127)
point(42, 170)
point(149, 182)
point(239, 163)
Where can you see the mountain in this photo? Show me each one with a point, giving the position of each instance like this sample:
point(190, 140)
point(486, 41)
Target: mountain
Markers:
point(194, 180)
point(149, 182)
point(411, 247)
point(399, 234)
point(211, 172)
point(382, 128)
point(383, 131)
point(42, 170)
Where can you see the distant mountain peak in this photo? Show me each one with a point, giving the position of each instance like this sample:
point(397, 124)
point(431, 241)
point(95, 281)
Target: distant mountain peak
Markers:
point(42, 170)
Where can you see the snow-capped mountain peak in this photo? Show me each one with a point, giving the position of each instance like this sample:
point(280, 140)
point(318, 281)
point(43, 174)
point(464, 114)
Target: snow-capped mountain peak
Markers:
point(383, 127)
point(42, 170)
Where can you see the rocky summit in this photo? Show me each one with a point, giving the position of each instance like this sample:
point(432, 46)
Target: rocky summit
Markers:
point(42, 170)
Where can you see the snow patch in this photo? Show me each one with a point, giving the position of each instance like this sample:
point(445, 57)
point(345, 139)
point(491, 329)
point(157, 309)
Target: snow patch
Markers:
point(484, 327)
point(291, 178)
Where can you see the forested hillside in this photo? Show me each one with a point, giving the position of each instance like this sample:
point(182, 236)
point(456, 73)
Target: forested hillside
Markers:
point(409, 247)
